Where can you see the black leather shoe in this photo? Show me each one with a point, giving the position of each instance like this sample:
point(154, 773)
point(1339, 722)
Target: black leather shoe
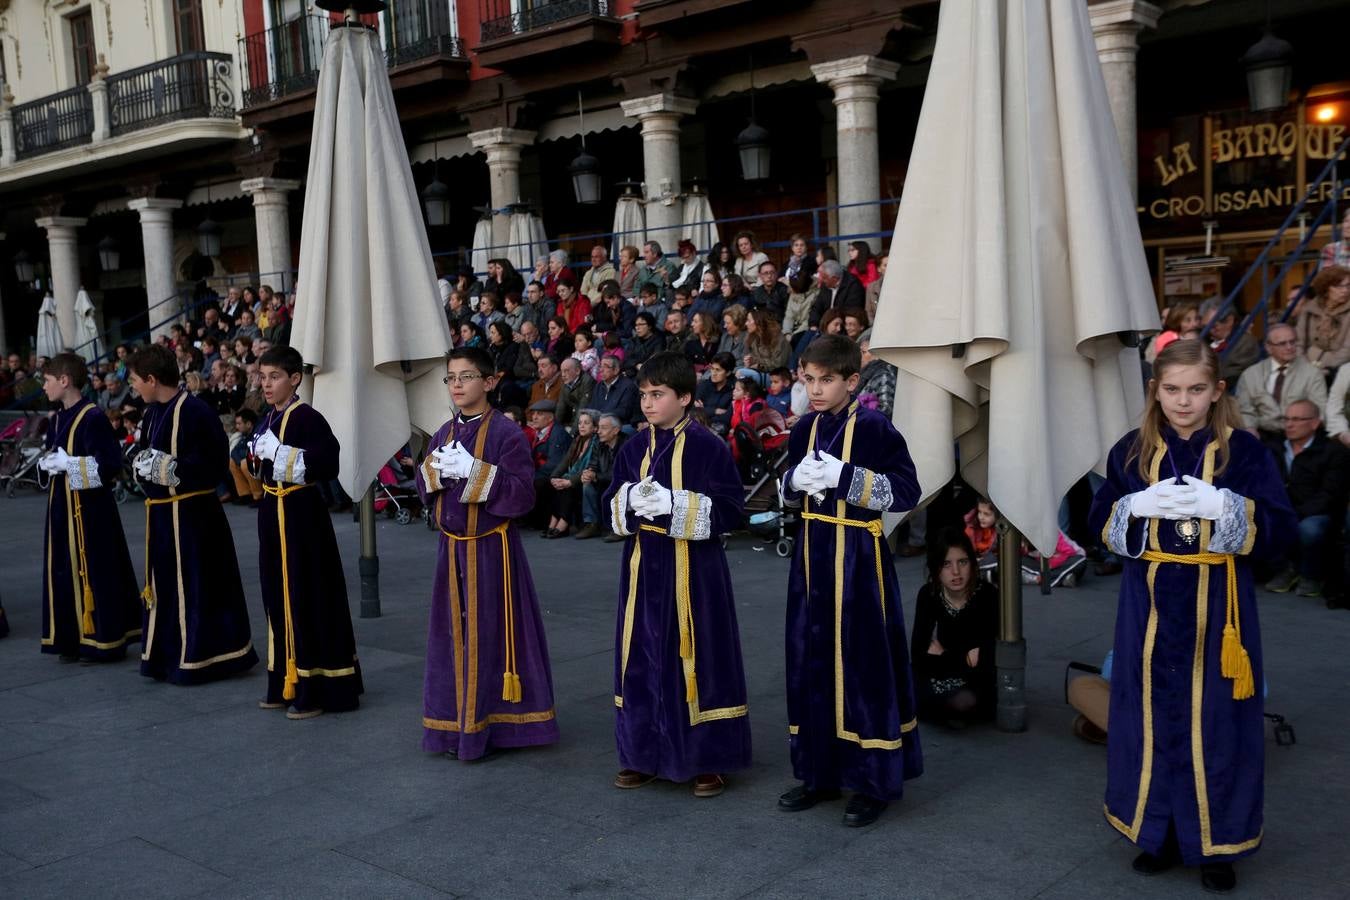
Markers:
point(863, 810)
point(801, 797)
point(1149, 864)
point(1218, 878)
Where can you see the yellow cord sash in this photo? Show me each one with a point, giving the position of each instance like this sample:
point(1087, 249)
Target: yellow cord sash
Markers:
point(511, 691)
point(873, 527)
point(148, 592)
point(1233, 659)
point(292, 678)
point(86, 590)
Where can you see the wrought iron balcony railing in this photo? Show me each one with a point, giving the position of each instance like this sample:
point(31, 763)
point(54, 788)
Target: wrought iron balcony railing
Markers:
point(194, 85)
point(418, 29)
point(54, 122)
point(539, 14)
point(282, 60)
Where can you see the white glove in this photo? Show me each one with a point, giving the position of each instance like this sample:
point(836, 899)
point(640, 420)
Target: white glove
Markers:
point(1208, 502)
point(807, 477)
point(56, 462)
point(1164, 500)
point(265, 446)
point(831, 470)
point(453, 461)
point(142, 464)
point(657, 501)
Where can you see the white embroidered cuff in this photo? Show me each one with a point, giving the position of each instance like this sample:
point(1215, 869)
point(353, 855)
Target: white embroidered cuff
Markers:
point(288, 465)
point(82, 473)
point(1235, 529)
point(479, 483)
point(162, 469)
point(618, 510)
point(1117, 530)
point(690, 516)
point(870, 490)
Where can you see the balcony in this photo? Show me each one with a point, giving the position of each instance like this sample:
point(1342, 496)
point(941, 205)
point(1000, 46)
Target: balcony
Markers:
point(662, 13)
point(542, 29)
point(54, 122)
point(196, 85)
point(281, 61)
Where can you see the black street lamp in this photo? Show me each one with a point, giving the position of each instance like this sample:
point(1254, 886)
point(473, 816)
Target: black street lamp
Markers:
point(208, 238)
point(753, 145)
point(109, 255)
point(1270, 70)
point(24, 269)
point(436, 202)
point(585, 172)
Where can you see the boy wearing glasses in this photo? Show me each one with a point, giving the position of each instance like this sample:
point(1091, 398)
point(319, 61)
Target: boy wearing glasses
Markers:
point(488, 682)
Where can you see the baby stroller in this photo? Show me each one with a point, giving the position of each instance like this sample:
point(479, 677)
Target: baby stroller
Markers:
point(763, 450)
point(126, 487)
point(22, 444)
point(396, 494)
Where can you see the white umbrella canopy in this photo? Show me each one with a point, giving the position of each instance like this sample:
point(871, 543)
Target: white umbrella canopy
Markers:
point(1016, 241)
point(527, 241)
point(698, 222)
point(482, 241)
point(49, 341)
point(368, 314)
point(86, 327)
point(630, 224)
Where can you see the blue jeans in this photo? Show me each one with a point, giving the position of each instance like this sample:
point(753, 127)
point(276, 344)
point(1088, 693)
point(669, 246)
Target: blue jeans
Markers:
point(1313, 532)
point(590, 504)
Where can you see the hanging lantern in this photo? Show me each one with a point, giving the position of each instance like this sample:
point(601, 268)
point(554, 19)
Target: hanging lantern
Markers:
point(753, 146)
point(109, 255)
point(585, 172)
point(1270, 72)
point(24, 269)
point(436, 202)
point(208, 238)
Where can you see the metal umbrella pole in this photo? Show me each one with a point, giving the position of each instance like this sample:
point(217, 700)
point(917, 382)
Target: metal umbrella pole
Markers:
point(1010, 654)
point(369, 563)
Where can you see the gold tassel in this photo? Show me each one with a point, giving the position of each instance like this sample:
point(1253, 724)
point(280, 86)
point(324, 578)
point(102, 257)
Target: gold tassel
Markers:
point(1232, 653)
point(148, 597)
point(686, 644)
point(515, 688)
point(1244, 684)
point(292, 679)
point(506, 686)
point(88, 610)
point(690, 688)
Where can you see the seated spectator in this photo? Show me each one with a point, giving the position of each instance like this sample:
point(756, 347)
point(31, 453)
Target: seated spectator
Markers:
point(210, 355)
point(596, 477)
point(688, 272)
point(1182, 321)
point(838, 290)
point(802, 293)
point(645, 343)
point(513, 366)
point(615, 393)
point(504, 279)
point(559, 274)
point(517, 312)
point(1268, 387)
point(982, 532)
point(769, 293)
point(855, 324)
point(765, 347)
point(1338, 407)
point(601, 270)
point(873, 292)
point(559, 343)
point(610, 345)
point(247, 328)
point(714, 394)
point(861, 264)
point(194, 383)
point(541, 308)
point(748, 256)
point(487, 311)
point(952, 644)
point(629, 269)
point(1236, 352)
point(549, 384)
point(705, 339)
point(780, 391)
point(584, 352)
point(676, 331)
point(253, 396)
point(721, 260)
point(247, 488)
point(1337, 253)
point(470, 335)
point(800, 263)
point(734, 292)
point(709, 299)
point(211, 326)
point(876, 384)
point(115, 392)
point(243, 351)
point(1314, 472)
point(178, 337)
point(227, 396)
point(573, 308)
point(733, 332)
point(575, 393)
point(548, 446)
point(278, 328)
point(1090, 695)
point(656, 272)
point(1324, 320)
point(564, 483)
point(650, 302)
point(613, 313)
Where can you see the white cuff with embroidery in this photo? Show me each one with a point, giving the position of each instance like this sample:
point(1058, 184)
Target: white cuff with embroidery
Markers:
point(162, 468)
point(1117, 532)
point(289, 465)
point(82, 473)
point(1235, 529)
point(618, 510)
point(478, 485)
point(870, 490)
point(431, 475)
point(690, 516)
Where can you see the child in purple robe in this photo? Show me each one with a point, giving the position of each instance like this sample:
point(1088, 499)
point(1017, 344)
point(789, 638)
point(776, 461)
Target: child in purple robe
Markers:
point(1189, 498)
point(90, 602)
point(850, 692)
point(488, 683)
point(311, 661)
point(679, 683)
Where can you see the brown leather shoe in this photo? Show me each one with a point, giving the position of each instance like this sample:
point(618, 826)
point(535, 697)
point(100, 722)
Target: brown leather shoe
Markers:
point(264, 704)
point(298, 714)
point(588, 531)
point(1083, 728)
point(709, 785)
point(630, 778)
point(613, 538)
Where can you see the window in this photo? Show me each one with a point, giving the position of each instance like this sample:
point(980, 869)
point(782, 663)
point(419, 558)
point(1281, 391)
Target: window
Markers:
point(187, 25)
point(85, 56)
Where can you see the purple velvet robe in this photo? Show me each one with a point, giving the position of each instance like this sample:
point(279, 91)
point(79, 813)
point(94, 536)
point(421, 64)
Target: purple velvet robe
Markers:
point(84, 431)
point(679, 682)
point(328, 674)
point(488, 681)
point(197, 628)
point(851, 704)
point(1181, 748)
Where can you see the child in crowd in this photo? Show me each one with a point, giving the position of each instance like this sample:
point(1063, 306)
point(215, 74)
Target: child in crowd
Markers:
point(981, 529)
point(747, 398)
point(584, 352)
point(1182, 322)
point(679, 683)
point(247, 489)
point(714, 393)
point(485, 622)
point(1188, 499)
point(90, 603)
point(613, 345)
point(1066, 564)
point(780, 390)
point(851, 715)
point(303, 588)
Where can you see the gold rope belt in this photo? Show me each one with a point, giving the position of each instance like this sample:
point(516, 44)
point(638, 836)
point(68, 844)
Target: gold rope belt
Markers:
point(684, 606)
point(511, 691)
point(872, 526)
point(148, 592)
point(1233, 659)
point(292, 678)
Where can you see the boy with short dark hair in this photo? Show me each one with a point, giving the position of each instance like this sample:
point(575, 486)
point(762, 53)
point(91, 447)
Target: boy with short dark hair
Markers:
point(311, 662)
point(851, 706)
point(488, 682)
point(247, 488)
point(679, 683)
point(780, 390)
point(90, 602)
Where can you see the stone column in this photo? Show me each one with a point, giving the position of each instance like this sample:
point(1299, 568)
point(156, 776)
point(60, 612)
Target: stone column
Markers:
point(1115, 26)
point(8, 145)
point(856, 81)
point(660, 116)
point(64, 249)
point(503, 146)
point(161, 283)
point(271, 210)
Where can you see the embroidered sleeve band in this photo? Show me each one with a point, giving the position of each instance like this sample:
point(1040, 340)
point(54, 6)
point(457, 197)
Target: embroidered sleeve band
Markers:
point(1117, 530)
point(618, 510)
point(870, 490)
point(1235, 529)
point(82, 473)
point(289, 465)
point(431, 475)
point(690, 516)
point(161, 468)
point(479, 483)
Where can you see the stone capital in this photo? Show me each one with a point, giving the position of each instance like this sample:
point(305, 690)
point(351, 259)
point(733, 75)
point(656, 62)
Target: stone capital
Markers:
point(668, 104)
point(60, 226)
point(141, 204)
point(872, 69)
point(258, 187)
point(1135, 14)
point(500, 137)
